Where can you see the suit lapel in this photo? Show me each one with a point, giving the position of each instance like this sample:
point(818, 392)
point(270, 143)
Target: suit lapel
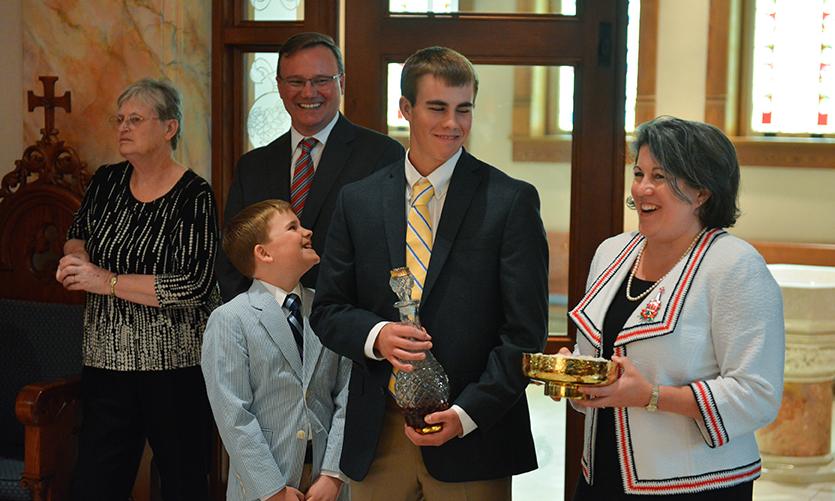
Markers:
point(394, 214)
point(676, 287)
point(590, 312)
point(283, 155)
point(465, 180)
point(333, 160)
point(275, 323)
point(312, 346)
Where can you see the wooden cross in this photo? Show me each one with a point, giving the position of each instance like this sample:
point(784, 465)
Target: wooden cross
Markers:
point(49, 103)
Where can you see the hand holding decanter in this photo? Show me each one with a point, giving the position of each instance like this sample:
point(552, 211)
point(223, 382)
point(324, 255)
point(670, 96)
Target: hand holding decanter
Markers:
point(425, 389)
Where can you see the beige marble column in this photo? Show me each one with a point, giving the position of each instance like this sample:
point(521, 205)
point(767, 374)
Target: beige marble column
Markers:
point(797, 446)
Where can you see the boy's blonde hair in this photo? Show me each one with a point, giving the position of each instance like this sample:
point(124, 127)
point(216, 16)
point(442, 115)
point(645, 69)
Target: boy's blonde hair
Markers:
point(247, 229)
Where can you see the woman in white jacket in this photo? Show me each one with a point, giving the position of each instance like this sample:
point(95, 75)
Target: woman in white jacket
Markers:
point(694, 320)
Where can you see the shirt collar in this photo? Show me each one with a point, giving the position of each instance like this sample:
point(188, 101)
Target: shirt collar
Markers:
point(439, 178)
point(280, 294)
point(321, 136)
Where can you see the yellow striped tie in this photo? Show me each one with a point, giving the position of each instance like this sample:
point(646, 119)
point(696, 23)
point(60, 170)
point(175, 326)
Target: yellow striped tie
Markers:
point(419, 234)
point(418, 241)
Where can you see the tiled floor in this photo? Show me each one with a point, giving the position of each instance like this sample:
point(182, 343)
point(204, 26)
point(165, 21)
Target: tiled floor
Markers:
point(548, 424)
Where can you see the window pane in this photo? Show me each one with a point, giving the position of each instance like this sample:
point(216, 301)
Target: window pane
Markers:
point(563, 7)
point(508, 114)
point(265, 116)
point(633, 30)
point(793, 63)
point(273, 10)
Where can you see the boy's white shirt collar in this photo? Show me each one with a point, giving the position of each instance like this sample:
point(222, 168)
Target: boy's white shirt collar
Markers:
point(439, 178)
point(280, 294)
point(321, 136)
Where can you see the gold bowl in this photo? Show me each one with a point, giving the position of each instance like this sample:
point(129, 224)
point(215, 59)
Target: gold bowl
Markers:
point(563, 376)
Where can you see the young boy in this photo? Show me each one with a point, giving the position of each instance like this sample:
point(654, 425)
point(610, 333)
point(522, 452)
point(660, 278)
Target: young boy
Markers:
point(277, 396)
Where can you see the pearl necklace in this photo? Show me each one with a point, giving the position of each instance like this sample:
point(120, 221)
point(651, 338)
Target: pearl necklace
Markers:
point(629, 296)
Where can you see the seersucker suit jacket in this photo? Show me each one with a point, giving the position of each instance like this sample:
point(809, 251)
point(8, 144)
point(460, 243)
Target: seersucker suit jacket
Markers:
point(351, 153)
point(268, 403)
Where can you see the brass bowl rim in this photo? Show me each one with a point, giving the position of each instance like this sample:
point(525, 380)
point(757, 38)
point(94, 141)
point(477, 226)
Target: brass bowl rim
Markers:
point(574, 370)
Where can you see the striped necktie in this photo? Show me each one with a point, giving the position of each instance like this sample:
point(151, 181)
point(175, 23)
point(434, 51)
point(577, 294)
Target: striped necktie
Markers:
point(302, 176)
point(418, 242)
point(293, 303)
point(419, 234)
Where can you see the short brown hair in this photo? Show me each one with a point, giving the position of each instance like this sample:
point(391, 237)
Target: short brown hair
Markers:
point(306, 40)
point(247, 229)
point(441, 62)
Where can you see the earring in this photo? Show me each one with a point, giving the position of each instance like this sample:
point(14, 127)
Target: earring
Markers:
point(630, 202)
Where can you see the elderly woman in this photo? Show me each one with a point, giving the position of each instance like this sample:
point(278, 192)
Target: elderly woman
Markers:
point(694, 320)
point(142, 246)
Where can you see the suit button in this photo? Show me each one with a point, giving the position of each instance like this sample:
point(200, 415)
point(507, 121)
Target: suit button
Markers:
point(300, 435)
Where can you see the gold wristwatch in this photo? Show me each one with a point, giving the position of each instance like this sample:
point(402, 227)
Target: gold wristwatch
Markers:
point(652, 406)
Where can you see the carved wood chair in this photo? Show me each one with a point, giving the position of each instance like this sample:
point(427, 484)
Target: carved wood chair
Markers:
point(40, 323)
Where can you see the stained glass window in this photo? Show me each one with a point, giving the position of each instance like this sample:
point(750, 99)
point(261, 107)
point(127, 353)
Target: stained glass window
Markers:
point(792, 67)
point(266, 118)
point(273, 10)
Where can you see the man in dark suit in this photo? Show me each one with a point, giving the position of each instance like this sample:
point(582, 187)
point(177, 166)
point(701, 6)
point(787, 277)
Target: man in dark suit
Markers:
point(307, 172)
point(480, 264)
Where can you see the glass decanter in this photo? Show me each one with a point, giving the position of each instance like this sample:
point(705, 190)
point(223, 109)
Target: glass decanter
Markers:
point(425, 389)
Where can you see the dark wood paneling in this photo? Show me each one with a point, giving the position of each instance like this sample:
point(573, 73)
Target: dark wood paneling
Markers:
point(594, 42)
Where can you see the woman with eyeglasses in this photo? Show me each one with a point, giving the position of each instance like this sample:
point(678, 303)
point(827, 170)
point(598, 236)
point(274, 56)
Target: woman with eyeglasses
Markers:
point(142, 246)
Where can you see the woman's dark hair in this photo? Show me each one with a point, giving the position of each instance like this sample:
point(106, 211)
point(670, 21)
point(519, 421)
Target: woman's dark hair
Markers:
point(699, 155)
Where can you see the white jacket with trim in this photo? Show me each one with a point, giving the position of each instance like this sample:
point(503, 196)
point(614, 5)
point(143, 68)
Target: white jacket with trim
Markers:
point(719, 330)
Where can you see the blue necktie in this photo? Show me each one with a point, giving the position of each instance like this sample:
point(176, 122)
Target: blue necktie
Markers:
point(293, 303)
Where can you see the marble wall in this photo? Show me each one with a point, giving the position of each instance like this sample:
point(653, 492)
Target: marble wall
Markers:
point(98, 47)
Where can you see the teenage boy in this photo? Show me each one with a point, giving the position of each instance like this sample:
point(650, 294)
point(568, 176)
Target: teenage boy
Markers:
point(474, 240)
point(277, 396)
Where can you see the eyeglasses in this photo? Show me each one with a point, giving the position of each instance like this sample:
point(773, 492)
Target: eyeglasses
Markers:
point(132, 121)
point(320, 82)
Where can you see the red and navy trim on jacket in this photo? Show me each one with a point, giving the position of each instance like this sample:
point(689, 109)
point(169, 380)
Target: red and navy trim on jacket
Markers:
point(710, 414)
point(676, 485)
point(675, 304)
point(672, 309)
point(585, 324)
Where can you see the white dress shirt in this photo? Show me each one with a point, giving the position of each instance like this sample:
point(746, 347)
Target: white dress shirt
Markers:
point(281, 295)
point(316, 152)
point(439, 178)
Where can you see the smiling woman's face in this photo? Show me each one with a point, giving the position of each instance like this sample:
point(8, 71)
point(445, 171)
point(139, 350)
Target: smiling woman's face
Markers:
point(662, 215)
